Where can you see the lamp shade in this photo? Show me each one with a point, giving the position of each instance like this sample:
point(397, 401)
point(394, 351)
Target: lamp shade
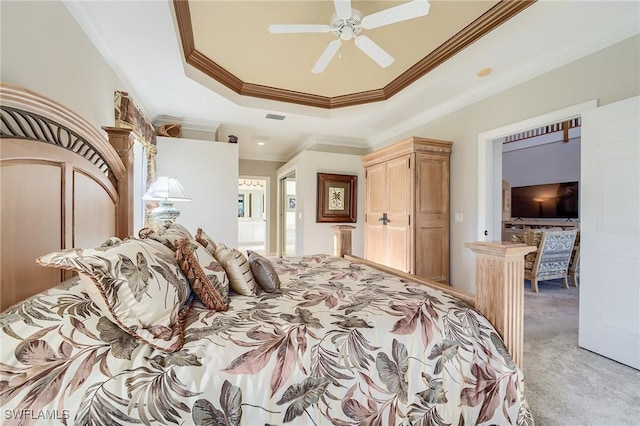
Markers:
point(166, 189)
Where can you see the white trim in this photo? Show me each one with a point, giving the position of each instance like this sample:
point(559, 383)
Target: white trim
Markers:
point(488, 218)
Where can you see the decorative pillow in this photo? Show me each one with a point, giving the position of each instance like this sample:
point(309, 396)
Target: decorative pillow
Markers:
point(264, 273)
point(138, 282)
point(532, 237)
point(237, 267)
point(206, 241)
point(517, 238)
point(191, 256)
point(168, 234)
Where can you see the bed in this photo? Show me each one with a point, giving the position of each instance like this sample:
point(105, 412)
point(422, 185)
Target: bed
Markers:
point(340, 342)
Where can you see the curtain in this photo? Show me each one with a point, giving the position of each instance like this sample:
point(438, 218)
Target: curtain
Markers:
point(128, 115)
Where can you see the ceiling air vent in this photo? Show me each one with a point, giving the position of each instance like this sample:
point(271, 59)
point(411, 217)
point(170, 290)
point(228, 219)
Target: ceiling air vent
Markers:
point(275, 117)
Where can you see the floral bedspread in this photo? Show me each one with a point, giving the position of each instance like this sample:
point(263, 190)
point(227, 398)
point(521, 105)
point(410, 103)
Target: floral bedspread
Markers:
point(343, 344)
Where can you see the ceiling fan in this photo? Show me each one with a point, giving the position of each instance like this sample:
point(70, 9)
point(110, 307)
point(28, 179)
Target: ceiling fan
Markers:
point(347, 23)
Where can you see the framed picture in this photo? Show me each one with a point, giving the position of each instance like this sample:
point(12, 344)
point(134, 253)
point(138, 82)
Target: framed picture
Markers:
point(337, 195)
point(291, 203)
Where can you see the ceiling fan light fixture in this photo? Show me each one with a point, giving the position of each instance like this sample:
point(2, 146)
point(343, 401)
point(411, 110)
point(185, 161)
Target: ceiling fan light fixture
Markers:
point(346, 28)
point(346, 33)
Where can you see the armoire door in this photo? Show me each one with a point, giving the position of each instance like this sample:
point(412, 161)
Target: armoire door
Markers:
point(432, 217)
point(388, 195)
point(399, 201)
point(375, 233)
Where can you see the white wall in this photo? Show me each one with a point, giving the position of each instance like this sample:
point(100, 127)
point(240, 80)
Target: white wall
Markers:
point(313, 237)
point(45, 50)
point(548, 163)
point(208, 171)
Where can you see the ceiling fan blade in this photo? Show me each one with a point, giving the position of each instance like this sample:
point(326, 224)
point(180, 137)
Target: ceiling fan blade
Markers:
point(374, 51)
point(409, 10)
point(298, 28)
point(343, 8)
point(326, 56)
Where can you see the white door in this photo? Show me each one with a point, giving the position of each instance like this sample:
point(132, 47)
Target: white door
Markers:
point(610, 236)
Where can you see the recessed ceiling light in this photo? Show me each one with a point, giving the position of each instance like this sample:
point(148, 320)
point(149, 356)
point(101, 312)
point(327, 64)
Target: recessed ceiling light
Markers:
point(484, 72)
point(260, 143)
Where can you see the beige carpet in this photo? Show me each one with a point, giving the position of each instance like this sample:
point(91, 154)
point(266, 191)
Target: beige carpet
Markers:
point(564, 384)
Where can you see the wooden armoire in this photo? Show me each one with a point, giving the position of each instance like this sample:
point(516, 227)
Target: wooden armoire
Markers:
point(407, 207)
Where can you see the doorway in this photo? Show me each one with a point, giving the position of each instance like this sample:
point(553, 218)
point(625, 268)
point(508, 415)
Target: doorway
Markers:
point(604, 312)
point(252, 213)
point(490, 166)
point(288, 213)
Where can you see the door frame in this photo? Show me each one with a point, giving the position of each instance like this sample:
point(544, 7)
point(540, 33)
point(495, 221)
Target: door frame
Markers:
point(490, 166)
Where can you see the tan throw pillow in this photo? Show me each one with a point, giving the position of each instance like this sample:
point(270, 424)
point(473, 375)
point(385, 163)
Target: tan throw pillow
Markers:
point(238, 269)
point(138, 282)
point(168, 234)
point(189, 255)
point(206, 241)
point(264, 273)
point(517, 238)
point(532, 237)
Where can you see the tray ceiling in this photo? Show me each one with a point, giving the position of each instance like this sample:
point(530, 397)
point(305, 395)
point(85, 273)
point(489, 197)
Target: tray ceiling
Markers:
point(229, 42)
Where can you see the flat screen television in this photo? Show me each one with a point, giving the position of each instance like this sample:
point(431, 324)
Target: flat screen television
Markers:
point(547, 201)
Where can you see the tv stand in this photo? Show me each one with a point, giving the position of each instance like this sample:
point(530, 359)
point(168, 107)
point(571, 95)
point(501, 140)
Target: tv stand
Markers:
point(517, 226)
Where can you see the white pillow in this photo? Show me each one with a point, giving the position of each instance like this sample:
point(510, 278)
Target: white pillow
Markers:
point(137, 284)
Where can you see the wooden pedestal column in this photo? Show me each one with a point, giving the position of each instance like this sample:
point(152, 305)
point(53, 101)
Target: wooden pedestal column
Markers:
point(342, 239)
point(122, 140)
point(500, 290)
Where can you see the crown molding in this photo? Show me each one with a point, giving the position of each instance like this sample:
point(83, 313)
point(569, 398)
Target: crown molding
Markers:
point(329, 141)
point(337, 141)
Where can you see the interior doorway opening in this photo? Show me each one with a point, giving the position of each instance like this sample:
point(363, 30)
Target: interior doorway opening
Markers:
point(490, 205)
point(252, 214)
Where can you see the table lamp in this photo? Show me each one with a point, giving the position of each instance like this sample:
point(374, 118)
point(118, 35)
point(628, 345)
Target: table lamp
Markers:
point(166, 190)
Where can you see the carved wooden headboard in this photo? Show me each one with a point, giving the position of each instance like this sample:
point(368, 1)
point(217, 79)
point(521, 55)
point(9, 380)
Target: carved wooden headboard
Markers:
point(63, 185)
